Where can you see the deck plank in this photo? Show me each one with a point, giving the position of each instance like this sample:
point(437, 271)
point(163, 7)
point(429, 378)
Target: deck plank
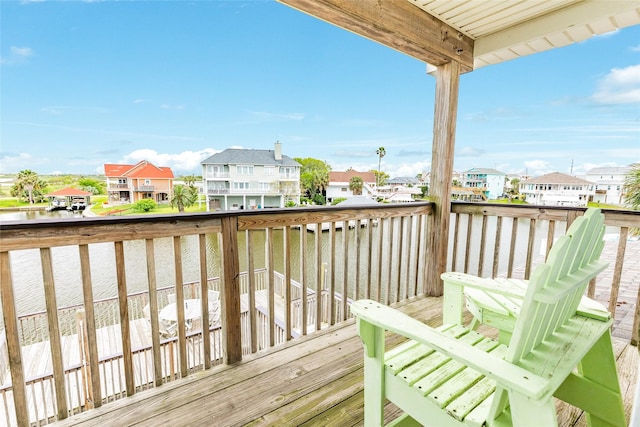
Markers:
point(315, 380)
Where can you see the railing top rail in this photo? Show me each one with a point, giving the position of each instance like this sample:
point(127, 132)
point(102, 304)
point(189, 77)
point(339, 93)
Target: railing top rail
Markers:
point(73, 231)
point(623, 218)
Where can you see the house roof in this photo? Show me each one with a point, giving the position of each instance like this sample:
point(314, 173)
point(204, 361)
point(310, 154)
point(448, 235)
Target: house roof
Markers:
point(335, 176)
point(623, 170)
point(486, 171)
point(69, 192)
point(471, 32)
point(557, 178)
point(403, 180)
point(142, 169)
point(243, 156)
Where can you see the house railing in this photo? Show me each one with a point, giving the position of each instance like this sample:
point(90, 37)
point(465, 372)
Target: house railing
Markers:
point(315, 261)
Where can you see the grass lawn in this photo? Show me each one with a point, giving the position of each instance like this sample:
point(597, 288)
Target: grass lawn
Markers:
point(102, 210)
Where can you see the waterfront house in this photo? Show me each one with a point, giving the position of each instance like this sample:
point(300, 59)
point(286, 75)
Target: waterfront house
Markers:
point(338, 186)
point(557, 189)
point(609, 182)
point(144, 180)
point(489, 181)
point(304, 367)
point(238, 178)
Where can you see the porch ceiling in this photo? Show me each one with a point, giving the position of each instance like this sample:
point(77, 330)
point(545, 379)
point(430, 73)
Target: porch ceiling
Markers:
point(474, 33)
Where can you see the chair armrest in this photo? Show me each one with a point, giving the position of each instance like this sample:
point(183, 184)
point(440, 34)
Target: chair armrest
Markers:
point(494, 286)
point(504, 373)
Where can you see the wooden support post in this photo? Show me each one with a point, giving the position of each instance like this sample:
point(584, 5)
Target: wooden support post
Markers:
point(444, 130)
point(232, 331)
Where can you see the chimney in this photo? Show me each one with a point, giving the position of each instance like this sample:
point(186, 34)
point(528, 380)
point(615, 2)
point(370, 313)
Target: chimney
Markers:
point(278, 152)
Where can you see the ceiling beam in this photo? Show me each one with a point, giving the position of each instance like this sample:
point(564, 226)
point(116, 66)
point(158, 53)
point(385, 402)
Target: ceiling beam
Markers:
point(397, 24)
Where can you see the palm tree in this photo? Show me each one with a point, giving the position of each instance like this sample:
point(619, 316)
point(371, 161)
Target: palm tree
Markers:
point(28, 184)
point(632, 187)
point(183, 197)
point(381, 152)
point(355, 185)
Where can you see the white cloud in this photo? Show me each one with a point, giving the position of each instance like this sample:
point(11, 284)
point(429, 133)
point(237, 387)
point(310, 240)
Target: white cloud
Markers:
point(619, 86)
point(186, 161)
point(13, 163)
point(17, 55)
point(469, 152)
point(172, 107)
point(21, 51)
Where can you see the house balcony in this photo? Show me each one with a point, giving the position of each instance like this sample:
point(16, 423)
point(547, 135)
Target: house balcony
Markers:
point(285, 348)
point(116, 187)
point(217, 176)
point(145, 188)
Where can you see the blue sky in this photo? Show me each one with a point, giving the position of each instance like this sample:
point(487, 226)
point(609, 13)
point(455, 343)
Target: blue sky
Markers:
point(88, 83)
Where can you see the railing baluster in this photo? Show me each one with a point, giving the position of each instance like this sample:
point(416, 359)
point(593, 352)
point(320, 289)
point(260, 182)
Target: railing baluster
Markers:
point(469, 231)
point(303, 277)
point(124, 317)
point(13, 343)
point(344, 290)
point(204, 299)
point(286, 240)
point(483, 243)
point(54, 332)
point(379, 270)
point(496, 248)
point(530, 244)
point(512, 245)
point(319, 276)
point(153, 310)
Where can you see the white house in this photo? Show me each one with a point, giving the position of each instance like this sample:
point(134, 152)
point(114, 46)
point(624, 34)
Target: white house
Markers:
point(609, 183)
point(490, 181)
point(338, 186)
point(557, 189)
point(250, 179)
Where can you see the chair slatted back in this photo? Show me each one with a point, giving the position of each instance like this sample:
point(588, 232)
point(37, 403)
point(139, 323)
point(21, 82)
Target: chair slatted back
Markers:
point(556, 287)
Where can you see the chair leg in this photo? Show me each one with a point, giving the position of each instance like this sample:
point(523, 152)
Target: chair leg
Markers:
point(373, 339)
point(530, 415)
point(595, 389)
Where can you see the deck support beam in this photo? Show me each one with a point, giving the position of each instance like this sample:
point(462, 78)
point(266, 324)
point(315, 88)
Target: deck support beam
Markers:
point(231, 328)
point(444, 131)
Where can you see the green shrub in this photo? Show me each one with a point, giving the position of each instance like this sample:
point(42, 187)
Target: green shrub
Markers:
point(318, 199)
point(144, 205)
point(337, 200)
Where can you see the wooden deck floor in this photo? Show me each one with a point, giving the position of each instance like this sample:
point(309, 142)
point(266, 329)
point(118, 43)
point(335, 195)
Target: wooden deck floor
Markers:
point(316, 380)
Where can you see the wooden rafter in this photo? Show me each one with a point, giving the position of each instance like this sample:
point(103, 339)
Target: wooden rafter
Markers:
point(396, 24)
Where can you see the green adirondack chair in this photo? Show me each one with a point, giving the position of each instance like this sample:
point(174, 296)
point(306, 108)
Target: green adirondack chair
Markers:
point(497, 302)
point(453, 375)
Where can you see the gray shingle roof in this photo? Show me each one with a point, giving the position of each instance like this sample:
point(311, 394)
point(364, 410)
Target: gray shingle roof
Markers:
point(486, 171)
point(241, 156)
point(557, 178)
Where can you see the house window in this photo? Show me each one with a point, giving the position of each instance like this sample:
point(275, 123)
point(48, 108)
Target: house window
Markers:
point(264, 186)
point(343, 189)
point(269, 170)
point(122, 181)
point(244, 170)
point(240, 185)
point(147, 182)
